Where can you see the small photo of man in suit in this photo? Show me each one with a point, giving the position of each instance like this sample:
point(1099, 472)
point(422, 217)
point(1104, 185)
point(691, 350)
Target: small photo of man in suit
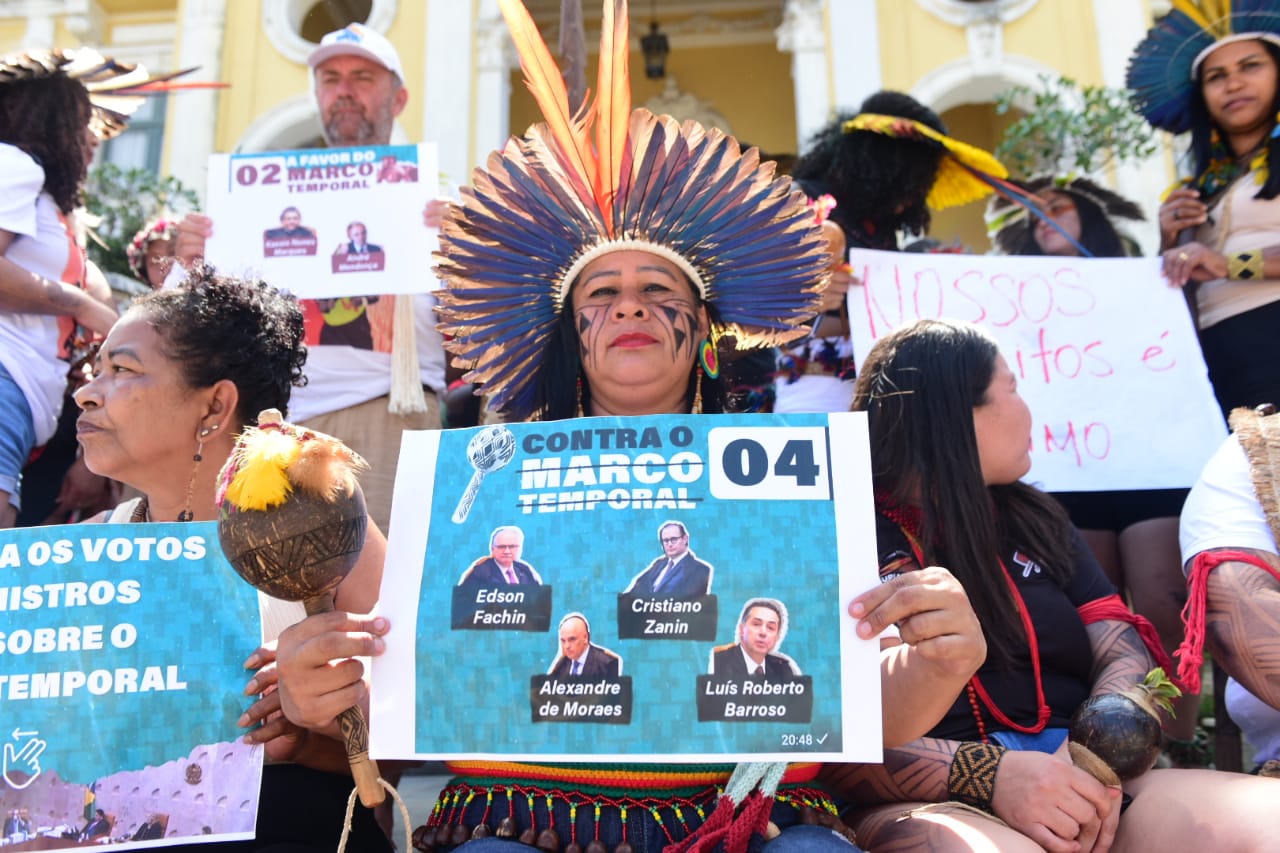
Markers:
point(503, 566)
point(761, 628)
point(678, 573)
point(290, 225)
point(579, 657)
point(357, 241)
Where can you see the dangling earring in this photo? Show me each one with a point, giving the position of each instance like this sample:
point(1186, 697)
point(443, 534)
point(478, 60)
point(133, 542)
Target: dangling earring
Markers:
point(697, 392)
point(187, 514)
point(578, 395)
point(709, 358)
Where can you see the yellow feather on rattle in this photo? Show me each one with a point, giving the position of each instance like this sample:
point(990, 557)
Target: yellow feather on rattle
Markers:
point(274, 458)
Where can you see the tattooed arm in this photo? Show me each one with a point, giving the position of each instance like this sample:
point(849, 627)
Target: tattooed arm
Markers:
point(1040, 795)
point(915, 773)
point(25, 292)
point(1243, 625)
point(1119, 657)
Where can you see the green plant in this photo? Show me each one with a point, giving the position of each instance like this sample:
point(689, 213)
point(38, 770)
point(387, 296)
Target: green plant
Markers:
point(124, 200)
point(1071, 128)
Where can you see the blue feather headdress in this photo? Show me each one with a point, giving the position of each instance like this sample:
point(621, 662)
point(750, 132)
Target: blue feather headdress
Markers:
point(550, 202)
point(1162, 70)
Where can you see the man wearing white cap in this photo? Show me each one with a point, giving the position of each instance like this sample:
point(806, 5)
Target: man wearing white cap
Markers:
point(358, 101)
point(350, 393)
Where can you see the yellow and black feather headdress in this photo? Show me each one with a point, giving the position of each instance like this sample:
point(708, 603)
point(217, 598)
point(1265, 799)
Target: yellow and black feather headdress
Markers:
point(551, 201)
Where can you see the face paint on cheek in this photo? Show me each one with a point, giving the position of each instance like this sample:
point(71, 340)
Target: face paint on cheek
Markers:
point(682, 321)
point(590, 326)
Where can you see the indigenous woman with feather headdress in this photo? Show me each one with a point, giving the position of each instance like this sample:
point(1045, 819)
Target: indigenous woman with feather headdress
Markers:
point(593, 279)
point(1212, 67)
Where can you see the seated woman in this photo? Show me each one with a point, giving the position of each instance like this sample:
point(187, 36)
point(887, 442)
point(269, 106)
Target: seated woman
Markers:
point(178, 377)
point(1132, 533)
point(949, 444)
point(603, 294)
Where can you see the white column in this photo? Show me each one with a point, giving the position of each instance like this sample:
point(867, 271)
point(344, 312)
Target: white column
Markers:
point(495, 58)
point(446, 92)
point(803, 35)
point(1120, 26)
point(854, 37)
point(86, 21)
point(40, 28)
point(190, 129)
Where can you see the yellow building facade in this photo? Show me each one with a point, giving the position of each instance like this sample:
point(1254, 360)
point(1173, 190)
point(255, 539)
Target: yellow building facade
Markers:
point(769, 71)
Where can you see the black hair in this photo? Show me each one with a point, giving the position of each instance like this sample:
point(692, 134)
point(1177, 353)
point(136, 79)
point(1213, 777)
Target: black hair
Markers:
point(48, 118)
point(562, 386)
point(1202, 129)
point(1097, 233)
point(220, 327)
point(768, 604)
point(875, 179)
point(919, 386)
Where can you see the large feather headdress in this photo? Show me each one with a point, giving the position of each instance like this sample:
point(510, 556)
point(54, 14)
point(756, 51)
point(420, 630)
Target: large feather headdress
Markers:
point(116, 89)
point(550, 202)
point(1162, 70)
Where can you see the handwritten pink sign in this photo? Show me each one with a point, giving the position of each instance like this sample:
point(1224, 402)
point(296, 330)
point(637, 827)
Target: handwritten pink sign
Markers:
point(1104, 351)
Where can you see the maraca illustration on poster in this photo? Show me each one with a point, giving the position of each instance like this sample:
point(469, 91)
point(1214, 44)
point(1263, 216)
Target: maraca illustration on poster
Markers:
point(490, 449)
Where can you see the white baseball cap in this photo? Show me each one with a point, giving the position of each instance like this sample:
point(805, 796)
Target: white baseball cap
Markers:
point(358, 40)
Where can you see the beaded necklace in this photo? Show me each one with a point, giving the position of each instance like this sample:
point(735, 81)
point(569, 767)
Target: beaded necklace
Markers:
point(908, 519)
point(1224, 166)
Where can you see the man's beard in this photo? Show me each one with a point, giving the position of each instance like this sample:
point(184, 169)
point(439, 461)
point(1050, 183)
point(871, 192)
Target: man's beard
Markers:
point(351, 127)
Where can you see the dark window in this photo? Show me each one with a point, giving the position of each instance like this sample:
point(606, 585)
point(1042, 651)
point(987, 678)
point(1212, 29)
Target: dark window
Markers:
point(329, 15)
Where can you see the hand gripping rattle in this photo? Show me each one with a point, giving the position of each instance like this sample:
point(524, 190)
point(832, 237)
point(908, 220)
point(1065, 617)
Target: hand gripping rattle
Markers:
point(292, 522)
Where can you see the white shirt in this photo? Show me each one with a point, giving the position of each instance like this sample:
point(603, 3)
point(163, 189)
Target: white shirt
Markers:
point(29, 343)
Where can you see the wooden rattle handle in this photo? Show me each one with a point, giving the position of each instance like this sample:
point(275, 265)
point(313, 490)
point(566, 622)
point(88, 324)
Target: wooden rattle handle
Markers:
point(355, 731)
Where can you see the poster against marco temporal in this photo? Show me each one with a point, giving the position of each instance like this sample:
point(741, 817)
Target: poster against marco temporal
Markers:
point(660, 588)
point(331, 224)
point(1103, 350)
point(121, 681)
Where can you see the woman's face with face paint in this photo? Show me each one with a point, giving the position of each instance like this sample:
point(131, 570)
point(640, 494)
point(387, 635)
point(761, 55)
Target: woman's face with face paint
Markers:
point(639, 328)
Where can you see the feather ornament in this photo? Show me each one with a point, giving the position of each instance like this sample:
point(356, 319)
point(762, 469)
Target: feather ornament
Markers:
point(1162, 69)
point(613, 103)
point(964, 171)
point(273, 459)
point(542, 76)
point(534, 217)
point(262, 458)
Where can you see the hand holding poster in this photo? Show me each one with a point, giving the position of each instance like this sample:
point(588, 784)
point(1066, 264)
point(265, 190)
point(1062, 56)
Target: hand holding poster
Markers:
point(334, 224)
point(1104, 352)
point(630, 589)
point(121, 679)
